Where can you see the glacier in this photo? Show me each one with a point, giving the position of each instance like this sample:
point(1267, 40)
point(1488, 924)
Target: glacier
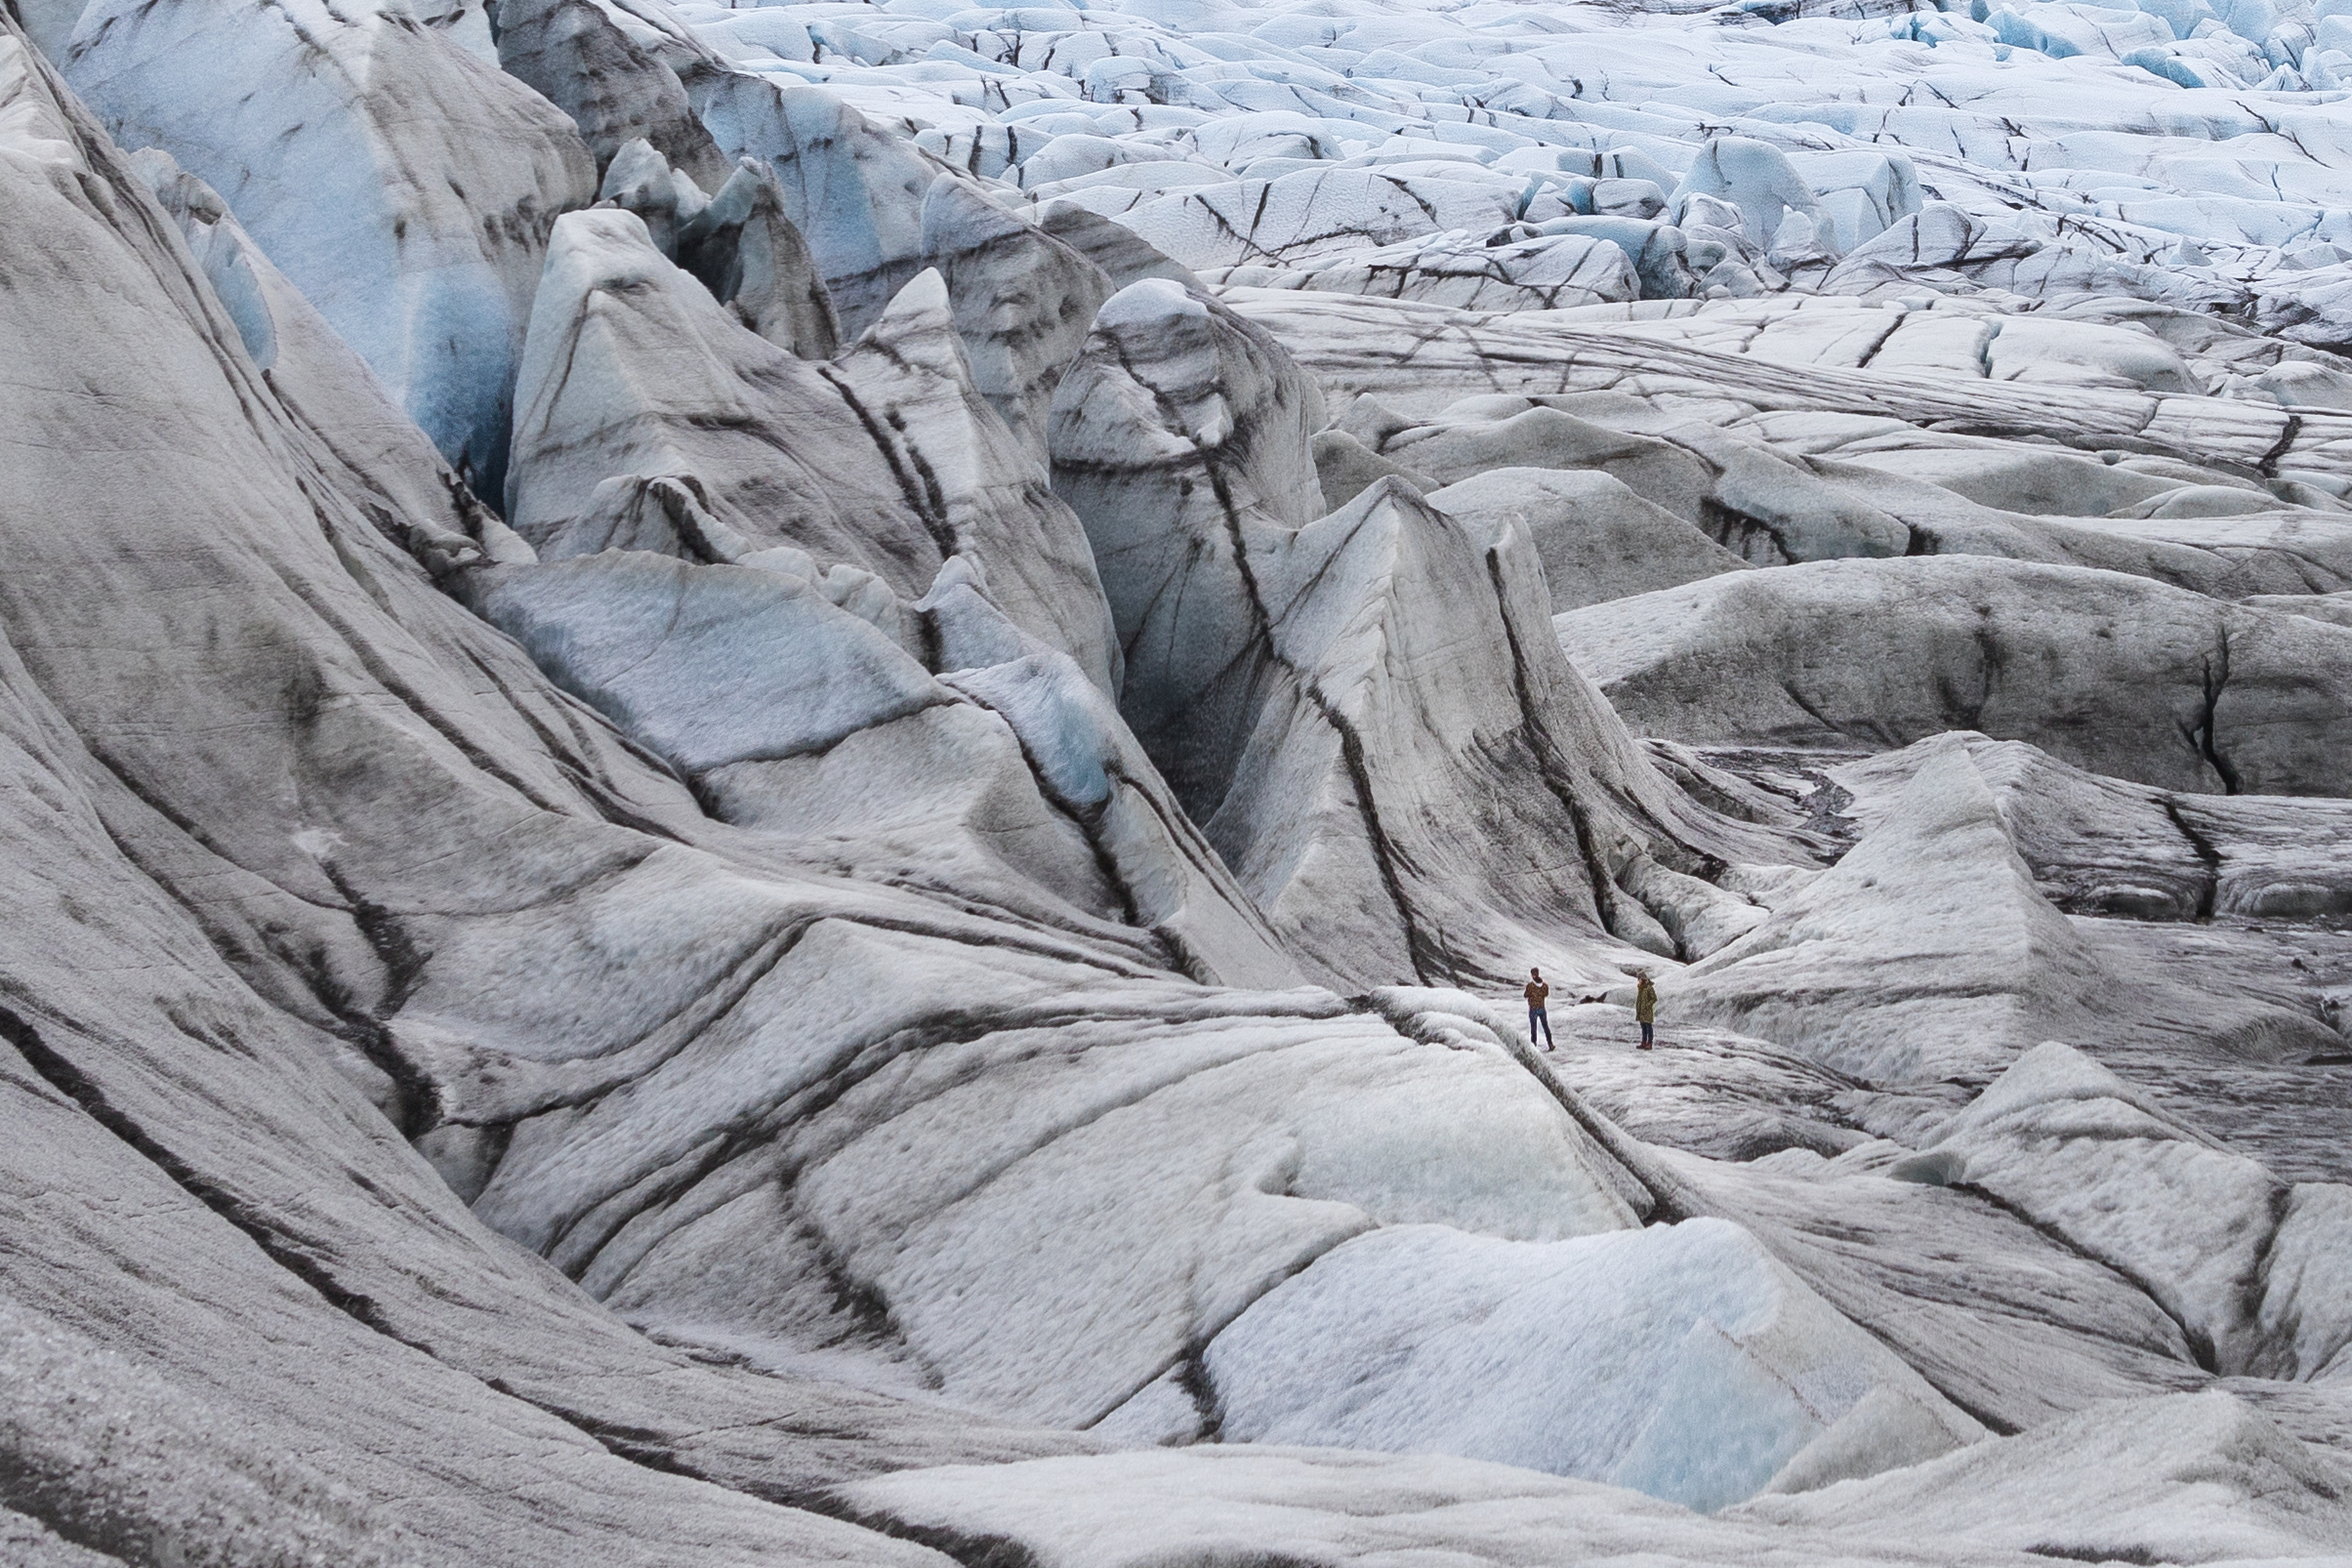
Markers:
point(776, 779)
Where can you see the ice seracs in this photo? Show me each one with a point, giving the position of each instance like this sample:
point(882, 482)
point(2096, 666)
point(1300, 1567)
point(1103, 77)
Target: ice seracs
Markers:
point(1363, 756)
point(1599, 538)
point(2114, 673)
point(1461, 267)
point(2071, 1145)
point(1921, 952)
point(646, 420)
point(776, 777)
point(581, 56)
point(401, 183)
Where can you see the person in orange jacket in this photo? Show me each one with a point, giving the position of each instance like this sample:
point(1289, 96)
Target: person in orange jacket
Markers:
point(1537, 992)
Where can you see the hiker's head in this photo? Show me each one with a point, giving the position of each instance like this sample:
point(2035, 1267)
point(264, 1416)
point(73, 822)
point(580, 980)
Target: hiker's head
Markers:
point(1535, 974)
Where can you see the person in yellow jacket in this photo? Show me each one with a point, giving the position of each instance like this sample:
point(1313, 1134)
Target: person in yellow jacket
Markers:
point(1645, 1006)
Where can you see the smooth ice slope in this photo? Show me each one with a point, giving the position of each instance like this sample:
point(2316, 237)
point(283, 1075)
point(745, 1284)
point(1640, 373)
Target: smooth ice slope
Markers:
point(1681, 1362)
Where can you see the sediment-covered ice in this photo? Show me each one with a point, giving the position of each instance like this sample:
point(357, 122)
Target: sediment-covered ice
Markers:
point(775, 780)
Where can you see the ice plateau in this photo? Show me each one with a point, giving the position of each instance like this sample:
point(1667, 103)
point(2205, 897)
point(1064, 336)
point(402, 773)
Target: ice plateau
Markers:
point(775, 780)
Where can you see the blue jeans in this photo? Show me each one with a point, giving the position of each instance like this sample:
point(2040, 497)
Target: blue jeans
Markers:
point(1645, 1034)
point(1535, 1021)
